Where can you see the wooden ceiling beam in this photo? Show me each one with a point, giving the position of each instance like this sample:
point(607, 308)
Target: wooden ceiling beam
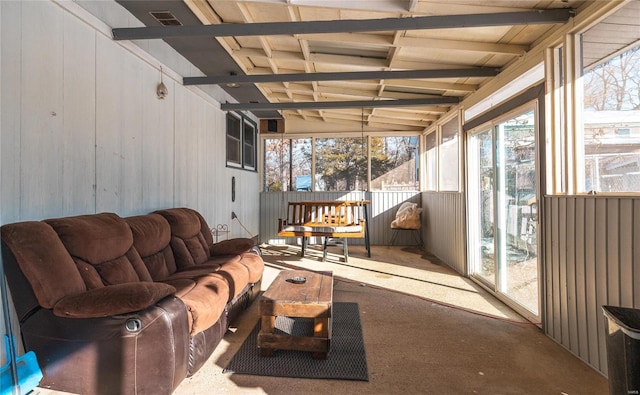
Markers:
point(405, 115)
point(396, 126)
point(379, 40)
point(363, 39)
point(405, 95)
point(396, 121)
point(323, 90)
point(424, 110)
point(421, 84)
point(457, 45)
point(277, 55)
point(203, 11)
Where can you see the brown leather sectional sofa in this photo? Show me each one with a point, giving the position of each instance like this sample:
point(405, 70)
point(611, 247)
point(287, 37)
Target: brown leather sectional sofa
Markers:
point(133, 305)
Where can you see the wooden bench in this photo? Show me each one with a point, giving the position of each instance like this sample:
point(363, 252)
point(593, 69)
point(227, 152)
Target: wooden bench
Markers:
point(339, 219)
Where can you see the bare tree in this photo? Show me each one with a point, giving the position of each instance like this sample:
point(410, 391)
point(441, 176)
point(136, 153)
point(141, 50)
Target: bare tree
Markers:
point(276, 155)
point(614, 85)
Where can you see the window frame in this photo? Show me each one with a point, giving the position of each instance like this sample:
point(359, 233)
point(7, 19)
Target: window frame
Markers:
point(580, 175)
point(313, 137)
point(564, 134)
point(413, 156)
point(440, 152)
point(245, 124)
point(249, 126)
point(360, 148)
point(431, 155)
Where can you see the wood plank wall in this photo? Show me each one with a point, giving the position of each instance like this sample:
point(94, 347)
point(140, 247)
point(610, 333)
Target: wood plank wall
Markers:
point(83, 131)
point(590, 260)
point(444, 228)
point(381, 212)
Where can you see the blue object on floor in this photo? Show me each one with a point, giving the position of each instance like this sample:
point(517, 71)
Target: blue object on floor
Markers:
point(26, 368)
point(20, 374)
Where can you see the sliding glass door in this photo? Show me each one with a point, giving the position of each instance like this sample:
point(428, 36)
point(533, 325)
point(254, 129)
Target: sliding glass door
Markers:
point(503, 215)
point(481, 205)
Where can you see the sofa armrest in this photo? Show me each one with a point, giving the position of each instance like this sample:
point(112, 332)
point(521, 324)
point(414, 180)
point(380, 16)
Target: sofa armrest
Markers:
point(112, 300)
point(234, 246)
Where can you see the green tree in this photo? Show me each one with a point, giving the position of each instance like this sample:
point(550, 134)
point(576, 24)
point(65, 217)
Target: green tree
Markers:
point(383, 157)
point(342, 163)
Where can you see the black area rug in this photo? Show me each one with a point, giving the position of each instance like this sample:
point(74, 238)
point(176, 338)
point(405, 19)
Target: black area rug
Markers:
point(346, 360)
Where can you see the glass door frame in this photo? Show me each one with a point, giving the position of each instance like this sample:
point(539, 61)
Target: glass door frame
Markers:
point(473, 211)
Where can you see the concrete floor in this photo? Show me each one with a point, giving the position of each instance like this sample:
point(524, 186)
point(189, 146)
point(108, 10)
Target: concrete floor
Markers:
point(426, 329)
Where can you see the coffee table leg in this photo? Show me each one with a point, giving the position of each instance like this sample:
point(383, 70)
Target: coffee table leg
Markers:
point(268, 325)
point(321, 329)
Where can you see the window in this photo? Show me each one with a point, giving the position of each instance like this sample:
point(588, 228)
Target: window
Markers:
point(341, 164)
point(276, 164)
point(301, 165)
point(249, 144)
point(449, 155)
point(233, 140)
point(241, 142)
point(431, 153)
point(287, 164)
point(623, 132)
point(555, 151)
point(393, 163)
point(609, 146)
point(529, 78)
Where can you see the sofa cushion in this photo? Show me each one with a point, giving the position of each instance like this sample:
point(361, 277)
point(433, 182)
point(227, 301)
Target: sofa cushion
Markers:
point(43, 260)
point(94, 238)
point(151, 238)
point(160, 265)
point(117, 271)
point(151, 233)
point(254, 265)
point(232, 246)
point(182, 285)
point(205, 298)
point(237, 276)
point(105, 242)
point(112, 300)
point(212, 265)
point(184, 222)
point(222, 259)
point(196, 271)
point(190, 237)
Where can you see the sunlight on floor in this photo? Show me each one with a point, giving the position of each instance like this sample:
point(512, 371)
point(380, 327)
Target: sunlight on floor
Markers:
point(407, 270)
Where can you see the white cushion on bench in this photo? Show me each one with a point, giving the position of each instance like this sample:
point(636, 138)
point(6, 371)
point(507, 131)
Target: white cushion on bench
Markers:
point(338, 229)
point(298, 228)
point(323, 229)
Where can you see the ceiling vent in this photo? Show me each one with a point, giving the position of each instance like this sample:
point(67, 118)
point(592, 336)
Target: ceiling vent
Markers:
point(165, 18)
point(272, 126)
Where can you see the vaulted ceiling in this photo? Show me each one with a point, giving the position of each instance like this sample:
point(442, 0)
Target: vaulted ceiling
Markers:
point(396, 65)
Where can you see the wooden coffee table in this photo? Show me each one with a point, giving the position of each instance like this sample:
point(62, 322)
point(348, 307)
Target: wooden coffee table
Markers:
point(311, 299)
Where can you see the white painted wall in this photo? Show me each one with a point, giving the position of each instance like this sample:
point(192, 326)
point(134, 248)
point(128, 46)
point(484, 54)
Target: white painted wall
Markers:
point(82, 131)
